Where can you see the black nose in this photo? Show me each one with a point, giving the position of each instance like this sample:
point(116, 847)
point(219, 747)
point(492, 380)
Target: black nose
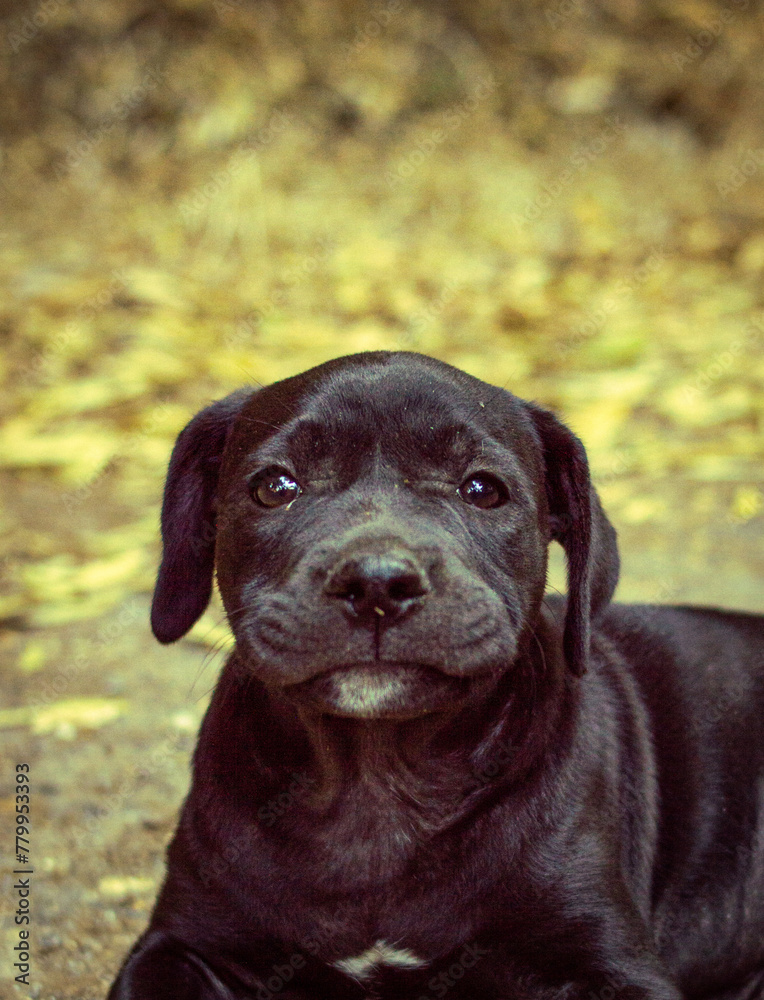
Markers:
point(377, 586)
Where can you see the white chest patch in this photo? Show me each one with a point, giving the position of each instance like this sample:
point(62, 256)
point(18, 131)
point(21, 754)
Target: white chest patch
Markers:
point(381, 953)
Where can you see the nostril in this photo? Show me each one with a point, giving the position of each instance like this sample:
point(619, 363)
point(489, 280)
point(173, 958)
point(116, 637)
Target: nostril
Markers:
point(375, 585)
point(406, 586)
point(351, 591)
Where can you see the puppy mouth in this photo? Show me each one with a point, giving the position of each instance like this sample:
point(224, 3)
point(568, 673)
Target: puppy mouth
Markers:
point(381, 690)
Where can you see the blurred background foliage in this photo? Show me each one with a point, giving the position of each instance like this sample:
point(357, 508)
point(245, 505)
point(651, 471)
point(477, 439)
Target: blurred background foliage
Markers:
point(564, 197)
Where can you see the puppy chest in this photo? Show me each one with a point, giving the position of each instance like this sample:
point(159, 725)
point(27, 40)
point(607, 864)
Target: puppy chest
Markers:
point(380, 956)
point(363, 938)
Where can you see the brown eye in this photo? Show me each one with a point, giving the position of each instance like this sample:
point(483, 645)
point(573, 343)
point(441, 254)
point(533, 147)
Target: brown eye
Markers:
point(274, 487)
point(483, 490)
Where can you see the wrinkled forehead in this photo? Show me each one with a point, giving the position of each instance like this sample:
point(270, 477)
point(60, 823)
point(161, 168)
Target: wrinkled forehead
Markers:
point(404, 412)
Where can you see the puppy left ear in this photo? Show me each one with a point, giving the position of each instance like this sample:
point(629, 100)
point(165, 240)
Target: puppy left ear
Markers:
point(579, 524)
point(184, 584)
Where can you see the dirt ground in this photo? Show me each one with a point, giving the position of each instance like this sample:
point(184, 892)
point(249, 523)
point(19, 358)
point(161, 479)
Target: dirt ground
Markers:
point(565, 198)
point(105, 800)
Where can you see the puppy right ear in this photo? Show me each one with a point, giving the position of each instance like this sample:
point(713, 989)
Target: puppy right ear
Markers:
point(184, 584)
point(578, 522)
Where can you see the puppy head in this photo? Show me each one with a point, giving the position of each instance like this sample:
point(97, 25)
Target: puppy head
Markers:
point(380, 527)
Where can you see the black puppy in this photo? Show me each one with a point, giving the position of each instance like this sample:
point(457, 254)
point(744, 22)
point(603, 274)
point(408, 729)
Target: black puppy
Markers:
point(418, 776)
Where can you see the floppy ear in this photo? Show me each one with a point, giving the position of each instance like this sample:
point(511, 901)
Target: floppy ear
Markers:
point(579, 524)
point(184, 584)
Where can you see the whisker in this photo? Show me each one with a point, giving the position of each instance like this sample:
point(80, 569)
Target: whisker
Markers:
point(257, 420)
point(540, 645)
point(555, 590)
point(212, 652)
point(290, 412)
point(206, 662)
point(206, 694)
point(250, 376)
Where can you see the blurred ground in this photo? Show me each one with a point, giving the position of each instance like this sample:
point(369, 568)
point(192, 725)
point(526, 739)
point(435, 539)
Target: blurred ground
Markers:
point(565, 198)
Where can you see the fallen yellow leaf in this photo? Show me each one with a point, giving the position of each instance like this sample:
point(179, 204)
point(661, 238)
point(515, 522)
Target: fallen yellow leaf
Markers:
point(120, 887)
point(78, 713)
